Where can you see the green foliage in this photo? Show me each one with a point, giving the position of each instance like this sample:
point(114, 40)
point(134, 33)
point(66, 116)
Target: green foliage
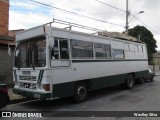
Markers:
point(146, 36)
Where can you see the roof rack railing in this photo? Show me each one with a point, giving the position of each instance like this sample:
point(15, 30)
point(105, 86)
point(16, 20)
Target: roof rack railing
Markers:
point(99, 32)
point(70, 25)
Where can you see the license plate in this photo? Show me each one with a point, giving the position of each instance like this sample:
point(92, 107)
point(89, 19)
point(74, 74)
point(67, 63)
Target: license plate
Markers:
point(27, 85)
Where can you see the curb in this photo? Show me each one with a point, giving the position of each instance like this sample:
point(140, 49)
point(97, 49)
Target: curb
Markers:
point(15, 101)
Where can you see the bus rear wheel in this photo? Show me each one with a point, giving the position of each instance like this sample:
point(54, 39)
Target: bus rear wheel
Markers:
point(130, 81)
point(152, 79)
point(141, 80)
point(80, 92)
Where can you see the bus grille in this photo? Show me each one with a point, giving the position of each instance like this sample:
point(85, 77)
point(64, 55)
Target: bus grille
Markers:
point(28, 85)
point(28, 78)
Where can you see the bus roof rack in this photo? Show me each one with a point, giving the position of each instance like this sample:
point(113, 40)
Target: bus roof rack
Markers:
point(105, 33)
point(118, 35)
point(70, 25)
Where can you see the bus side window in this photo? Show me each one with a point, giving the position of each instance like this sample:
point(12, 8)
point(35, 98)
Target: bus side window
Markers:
point(55, 50)
point(60, 49)
point(118, 54)
point(64, 49)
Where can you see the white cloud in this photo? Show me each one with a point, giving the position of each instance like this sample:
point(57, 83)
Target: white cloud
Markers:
point(24, 21)
point(22, 4)
point(157, 37)
point(91, 8)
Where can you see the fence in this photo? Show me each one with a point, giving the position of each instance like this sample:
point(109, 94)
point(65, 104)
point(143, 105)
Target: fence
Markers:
point(155, 68)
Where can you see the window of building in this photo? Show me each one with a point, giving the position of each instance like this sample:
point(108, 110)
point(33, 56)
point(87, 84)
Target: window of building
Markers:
point(102, 50)
point(118, 54)
point(81, 49)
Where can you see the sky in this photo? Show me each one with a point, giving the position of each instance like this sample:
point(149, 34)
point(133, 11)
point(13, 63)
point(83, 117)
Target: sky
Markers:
point(25, 14)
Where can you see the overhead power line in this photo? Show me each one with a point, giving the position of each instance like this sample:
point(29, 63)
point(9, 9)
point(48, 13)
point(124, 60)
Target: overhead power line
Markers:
point(147, 26)
point(95, 18)
point(110, 5)
point(130, 14)
point(75, 13)
point(134, 4)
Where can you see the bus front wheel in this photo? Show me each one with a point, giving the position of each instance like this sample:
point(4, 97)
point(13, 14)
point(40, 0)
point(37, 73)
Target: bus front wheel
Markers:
point(80, 92)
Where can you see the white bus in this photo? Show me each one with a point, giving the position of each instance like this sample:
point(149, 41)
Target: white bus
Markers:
point(52, 63)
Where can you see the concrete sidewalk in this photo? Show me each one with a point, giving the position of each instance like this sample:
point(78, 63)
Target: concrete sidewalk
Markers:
point(14, 98)
point(12, 95)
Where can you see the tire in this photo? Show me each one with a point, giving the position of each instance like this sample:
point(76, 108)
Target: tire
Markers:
point(130, 81)
point(152, 79)
point(80, 92)
point(141, 80)
point(4, 101)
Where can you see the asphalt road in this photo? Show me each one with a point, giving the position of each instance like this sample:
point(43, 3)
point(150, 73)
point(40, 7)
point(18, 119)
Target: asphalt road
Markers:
point(145, 97)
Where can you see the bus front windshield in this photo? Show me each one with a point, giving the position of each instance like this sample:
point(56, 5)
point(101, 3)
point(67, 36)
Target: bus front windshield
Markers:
point(31, 53)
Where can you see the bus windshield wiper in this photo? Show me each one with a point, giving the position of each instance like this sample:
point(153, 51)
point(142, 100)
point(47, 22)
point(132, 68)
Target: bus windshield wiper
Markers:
point(32, 63)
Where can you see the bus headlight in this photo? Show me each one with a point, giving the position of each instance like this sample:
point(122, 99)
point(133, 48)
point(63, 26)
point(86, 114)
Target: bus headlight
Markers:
point(46, 87)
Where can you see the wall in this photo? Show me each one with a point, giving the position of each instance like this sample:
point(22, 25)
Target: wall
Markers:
point(4, 15)
point(156, 60)
point(6, 65)
point(155, 68)
point(14, 32)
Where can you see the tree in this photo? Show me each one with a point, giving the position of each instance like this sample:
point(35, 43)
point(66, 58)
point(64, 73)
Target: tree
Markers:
point(145, 36)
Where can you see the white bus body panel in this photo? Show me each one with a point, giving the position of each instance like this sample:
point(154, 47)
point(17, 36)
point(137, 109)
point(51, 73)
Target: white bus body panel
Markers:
point(85, 69)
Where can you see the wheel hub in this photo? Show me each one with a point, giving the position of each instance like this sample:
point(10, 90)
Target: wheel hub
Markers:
point(81, 92)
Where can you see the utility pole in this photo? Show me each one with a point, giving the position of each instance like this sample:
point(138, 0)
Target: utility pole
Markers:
point(127, 15)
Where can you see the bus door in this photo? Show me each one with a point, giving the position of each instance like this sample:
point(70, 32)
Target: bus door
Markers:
point(60, 53)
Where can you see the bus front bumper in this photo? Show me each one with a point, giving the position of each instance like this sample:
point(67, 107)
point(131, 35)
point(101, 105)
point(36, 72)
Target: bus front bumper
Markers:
point(30, 94)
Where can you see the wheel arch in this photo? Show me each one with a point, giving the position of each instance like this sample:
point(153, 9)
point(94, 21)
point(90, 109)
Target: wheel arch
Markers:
point(87, 82)
point(134, 74)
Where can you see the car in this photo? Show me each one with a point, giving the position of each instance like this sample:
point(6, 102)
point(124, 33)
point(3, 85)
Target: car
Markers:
point(150, 76)
point(4, 97)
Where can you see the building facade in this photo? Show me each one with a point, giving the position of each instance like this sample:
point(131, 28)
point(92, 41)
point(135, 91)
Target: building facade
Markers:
point(6, 42)
point(156, 58)
point(4, 17)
